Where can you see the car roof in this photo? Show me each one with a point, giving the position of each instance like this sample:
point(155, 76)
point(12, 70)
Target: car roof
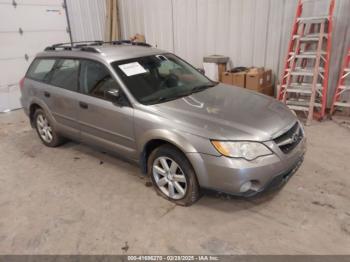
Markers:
point(106, 52)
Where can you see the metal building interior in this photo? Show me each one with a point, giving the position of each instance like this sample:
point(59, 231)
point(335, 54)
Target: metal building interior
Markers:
point(79, 200)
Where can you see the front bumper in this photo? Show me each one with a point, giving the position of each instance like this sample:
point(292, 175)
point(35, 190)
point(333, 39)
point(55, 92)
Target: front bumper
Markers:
point(229, 174)
point(277, 181)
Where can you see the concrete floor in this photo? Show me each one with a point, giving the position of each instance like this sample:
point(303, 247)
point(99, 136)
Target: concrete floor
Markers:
point(74, 200)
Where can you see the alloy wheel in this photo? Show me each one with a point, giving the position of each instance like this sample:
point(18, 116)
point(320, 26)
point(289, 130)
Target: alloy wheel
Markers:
point(44, 128)
point(169, 177)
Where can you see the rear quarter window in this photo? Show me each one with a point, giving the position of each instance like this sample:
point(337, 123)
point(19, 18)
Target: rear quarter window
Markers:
point(40, 69)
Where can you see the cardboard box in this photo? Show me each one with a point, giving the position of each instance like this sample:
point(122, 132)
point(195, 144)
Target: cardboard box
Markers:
point(268, 77)
point(269, 90)
point(226, 77)
point(236, 79)
point(221, 69)
point(255, 79)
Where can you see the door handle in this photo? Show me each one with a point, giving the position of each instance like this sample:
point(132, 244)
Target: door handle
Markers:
point(83, 105)
point(47, 94)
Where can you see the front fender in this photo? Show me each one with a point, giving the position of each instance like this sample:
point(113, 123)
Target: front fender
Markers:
point(177, 140)
point(186, 142)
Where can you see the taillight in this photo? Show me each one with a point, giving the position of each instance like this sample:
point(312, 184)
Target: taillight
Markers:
point(21, 83)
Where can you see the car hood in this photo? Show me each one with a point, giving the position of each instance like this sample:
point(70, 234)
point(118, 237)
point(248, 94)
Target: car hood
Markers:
point(227, 112)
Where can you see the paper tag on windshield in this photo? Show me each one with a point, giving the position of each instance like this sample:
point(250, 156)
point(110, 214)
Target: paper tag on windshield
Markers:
point(131, 69)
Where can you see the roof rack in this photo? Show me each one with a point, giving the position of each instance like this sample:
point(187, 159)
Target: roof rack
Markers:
point(127, 42)
point(90, 46)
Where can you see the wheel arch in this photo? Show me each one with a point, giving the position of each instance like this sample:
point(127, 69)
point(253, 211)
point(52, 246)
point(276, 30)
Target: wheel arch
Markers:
point(32, 108)
point(38, 104)
point(159, 138)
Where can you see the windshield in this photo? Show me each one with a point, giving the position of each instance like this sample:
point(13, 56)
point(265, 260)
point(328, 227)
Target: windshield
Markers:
point(160, 78)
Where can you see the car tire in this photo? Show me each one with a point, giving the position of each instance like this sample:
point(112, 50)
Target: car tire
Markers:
point(45, 129)
point(177, 182)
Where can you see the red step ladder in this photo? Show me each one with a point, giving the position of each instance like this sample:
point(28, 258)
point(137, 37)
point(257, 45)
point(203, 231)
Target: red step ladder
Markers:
point(304, 81)
point(343, 86)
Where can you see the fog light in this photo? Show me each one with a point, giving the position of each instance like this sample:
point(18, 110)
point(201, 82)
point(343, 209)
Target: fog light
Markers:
point(245, 187)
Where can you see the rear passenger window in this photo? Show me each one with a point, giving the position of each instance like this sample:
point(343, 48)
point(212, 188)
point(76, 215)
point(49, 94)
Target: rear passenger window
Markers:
point(40, 69)
point(65, 74)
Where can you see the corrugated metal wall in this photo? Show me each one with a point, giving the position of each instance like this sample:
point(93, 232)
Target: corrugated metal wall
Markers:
point(153, 18)
point(87, 19)
point(250, 32)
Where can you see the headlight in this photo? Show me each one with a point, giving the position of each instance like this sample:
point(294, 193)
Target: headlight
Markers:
point(247, 150)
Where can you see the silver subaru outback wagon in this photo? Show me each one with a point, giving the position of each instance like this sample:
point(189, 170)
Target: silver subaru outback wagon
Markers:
point(185, 131)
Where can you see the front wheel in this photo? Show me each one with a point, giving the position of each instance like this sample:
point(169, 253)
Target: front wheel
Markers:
point(173, 176)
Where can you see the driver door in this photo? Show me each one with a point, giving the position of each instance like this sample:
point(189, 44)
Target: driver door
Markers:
point(102, 122)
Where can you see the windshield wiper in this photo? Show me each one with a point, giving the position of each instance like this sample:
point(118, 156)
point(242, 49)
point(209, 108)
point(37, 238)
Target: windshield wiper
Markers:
point(193, 90)
point(201, 88)
point(165, 99)
point(158, 100)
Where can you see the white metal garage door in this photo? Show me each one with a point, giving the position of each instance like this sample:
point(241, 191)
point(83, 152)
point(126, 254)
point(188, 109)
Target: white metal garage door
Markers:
point(26, 28)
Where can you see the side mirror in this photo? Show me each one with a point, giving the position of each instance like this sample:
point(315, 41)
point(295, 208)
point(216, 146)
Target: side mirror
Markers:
point(201, 70)
point(113, 95)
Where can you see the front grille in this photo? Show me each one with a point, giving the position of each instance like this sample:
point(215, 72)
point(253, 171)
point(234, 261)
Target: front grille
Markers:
point(290, 139)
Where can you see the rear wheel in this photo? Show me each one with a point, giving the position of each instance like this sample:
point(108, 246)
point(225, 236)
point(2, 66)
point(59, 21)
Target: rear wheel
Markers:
point(173, 176)
point(45, 130)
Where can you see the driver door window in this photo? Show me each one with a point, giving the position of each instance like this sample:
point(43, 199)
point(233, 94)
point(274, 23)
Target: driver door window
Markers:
point(96, 80)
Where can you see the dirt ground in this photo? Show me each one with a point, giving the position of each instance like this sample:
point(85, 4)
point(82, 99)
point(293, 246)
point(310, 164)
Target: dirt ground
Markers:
point(75, 200)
